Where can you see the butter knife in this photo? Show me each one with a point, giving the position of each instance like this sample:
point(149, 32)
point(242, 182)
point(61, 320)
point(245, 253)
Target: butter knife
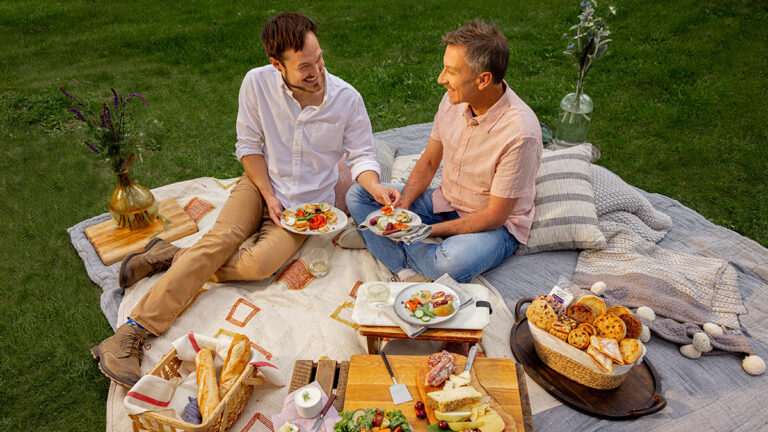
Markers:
point(319, 421)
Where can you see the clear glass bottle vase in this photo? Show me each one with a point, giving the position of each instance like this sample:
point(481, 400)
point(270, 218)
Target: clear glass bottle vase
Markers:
point(132, 206)
point(573, 120)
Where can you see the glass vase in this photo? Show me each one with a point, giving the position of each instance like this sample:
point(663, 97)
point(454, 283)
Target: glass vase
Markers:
point(573, 120)
point(132, 206)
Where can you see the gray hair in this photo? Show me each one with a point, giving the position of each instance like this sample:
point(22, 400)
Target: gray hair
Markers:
point(486, 46)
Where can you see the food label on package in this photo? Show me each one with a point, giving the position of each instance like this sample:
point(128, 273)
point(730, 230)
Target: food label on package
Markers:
point(564, 297)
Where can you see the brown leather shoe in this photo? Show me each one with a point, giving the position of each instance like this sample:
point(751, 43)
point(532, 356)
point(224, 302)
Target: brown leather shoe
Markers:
point(156, 257)
point(120, 355)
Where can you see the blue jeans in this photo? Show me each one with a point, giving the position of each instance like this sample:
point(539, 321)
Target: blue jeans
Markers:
point(462, 256)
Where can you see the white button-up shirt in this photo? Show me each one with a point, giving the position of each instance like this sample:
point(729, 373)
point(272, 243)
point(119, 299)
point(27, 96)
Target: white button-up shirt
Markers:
point(302, 147)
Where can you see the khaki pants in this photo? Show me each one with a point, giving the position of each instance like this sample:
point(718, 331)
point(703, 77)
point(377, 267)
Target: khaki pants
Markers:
point(217, 257)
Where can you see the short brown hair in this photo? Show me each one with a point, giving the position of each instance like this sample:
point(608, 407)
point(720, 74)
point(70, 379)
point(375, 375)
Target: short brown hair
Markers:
point(286, 31)
point(486, 46)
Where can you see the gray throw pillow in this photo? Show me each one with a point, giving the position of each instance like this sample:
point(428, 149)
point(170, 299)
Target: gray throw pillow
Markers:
point(565, 215)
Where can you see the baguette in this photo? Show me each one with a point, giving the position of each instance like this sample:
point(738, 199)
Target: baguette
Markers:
point(207, 391)
point(237, 359)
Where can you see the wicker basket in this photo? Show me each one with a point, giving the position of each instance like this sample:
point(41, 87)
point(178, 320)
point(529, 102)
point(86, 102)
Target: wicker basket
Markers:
point(575, 363)
point(223, 417)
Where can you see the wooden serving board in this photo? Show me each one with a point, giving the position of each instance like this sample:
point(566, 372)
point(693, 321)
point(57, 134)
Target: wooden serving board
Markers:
point(368, 386)
point(113, 244)
point(638, 395)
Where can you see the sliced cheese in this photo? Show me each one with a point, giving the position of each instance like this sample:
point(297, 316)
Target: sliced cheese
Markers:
point(461, 379)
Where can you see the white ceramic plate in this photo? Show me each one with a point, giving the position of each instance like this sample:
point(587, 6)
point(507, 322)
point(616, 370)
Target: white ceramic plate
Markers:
point(415, 220)
point(408, 292)
point(341, 222)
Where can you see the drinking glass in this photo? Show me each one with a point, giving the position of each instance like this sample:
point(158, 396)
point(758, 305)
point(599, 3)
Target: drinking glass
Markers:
point(317, 259)
point(377, 288)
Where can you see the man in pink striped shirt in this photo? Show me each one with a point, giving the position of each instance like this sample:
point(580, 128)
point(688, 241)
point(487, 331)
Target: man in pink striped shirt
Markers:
point(490, 144)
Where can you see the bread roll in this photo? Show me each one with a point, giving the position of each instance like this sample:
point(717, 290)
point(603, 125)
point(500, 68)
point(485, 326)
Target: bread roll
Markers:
point(237, 359)
point(207, 390)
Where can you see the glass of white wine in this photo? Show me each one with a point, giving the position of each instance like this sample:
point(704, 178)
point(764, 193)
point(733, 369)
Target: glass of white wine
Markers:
point(377, 288)
point(317, 259)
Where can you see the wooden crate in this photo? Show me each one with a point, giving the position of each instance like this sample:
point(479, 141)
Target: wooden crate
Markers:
point(330, 374)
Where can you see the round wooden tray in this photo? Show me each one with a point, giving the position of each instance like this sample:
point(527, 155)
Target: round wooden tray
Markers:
point(638, 395)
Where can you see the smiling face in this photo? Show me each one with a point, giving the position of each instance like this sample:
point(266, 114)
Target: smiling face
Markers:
point(303, 70)
point(457, 77)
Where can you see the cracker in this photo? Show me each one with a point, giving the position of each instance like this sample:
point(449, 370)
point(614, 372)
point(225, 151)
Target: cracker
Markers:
point(578, 338)
point(541, 315)
point(631, 349)
point(634, 325)
point(610, 326)
point(594, 302)
point(589, 328)
point(581, 313)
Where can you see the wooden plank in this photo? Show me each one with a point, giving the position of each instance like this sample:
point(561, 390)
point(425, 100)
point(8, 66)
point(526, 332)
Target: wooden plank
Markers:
point(341, 386)
point(302, 374)
point(525, 401)
point(448, 335)
point(368, 384)
point(326, 374)
point(305, 372)
point(113, 244)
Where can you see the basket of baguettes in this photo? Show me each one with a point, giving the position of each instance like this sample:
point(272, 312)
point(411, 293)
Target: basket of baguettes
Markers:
point(584, 339)
point(220, 403)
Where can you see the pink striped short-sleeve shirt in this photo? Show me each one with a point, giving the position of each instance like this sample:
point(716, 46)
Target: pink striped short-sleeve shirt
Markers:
point(497, 153)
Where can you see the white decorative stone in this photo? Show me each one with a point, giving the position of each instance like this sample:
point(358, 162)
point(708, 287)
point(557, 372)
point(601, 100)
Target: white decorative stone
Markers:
point(713, 329)
point(598, 288)
point(701, 342)
point(690, 351)
point(645, 334)
point(754, 365)
point(646, 313)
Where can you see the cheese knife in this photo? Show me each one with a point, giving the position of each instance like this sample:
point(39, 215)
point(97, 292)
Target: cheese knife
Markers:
point(319, 421)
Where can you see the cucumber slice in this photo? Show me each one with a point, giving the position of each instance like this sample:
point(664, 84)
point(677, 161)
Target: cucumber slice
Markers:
point(426, 319)
point(356, 415)
point(418, 313)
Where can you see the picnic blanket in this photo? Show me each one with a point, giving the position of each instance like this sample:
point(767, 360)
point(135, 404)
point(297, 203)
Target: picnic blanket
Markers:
point(712, 393)
point(288, 317)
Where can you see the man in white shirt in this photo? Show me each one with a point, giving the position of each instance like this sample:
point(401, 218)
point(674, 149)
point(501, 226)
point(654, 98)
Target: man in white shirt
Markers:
point(294, 123)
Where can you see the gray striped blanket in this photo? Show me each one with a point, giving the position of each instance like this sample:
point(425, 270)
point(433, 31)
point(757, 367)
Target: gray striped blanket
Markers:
point(685, 291)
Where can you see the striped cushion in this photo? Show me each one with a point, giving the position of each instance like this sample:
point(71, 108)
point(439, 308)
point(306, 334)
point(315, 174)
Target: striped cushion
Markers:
point(565, 215)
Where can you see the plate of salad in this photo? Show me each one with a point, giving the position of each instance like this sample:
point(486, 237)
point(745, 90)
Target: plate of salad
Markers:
point(390, 222)
point(313, 219)
point(392, 420)
point(427, 304)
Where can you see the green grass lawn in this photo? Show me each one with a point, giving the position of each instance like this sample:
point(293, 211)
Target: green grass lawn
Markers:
point(681, 110)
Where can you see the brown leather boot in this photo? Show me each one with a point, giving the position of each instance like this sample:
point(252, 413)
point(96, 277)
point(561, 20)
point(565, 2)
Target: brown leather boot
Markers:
point(120, 355)
point(156, 257)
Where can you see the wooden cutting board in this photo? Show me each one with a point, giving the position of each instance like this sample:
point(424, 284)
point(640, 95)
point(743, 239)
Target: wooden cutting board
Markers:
point(368, 386)
point(113, 244)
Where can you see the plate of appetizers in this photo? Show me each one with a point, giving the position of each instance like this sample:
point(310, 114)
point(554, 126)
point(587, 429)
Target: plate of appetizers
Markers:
point(427, 304)
point(313, 219)
point(390, 222)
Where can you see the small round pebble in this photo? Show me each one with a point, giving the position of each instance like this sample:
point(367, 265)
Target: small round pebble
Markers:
point(690, 351)
point(645, 334)
point(598, 288)
point(713, 329)
point(701, 342)
point(754, 365)
point(646, 313)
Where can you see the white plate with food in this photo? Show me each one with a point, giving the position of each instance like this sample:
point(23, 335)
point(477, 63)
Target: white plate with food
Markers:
point(427, 304)
point(390, 222)
point(313, 219)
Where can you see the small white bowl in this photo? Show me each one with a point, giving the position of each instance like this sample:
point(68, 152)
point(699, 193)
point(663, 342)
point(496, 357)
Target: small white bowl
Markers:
point(308, 401)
